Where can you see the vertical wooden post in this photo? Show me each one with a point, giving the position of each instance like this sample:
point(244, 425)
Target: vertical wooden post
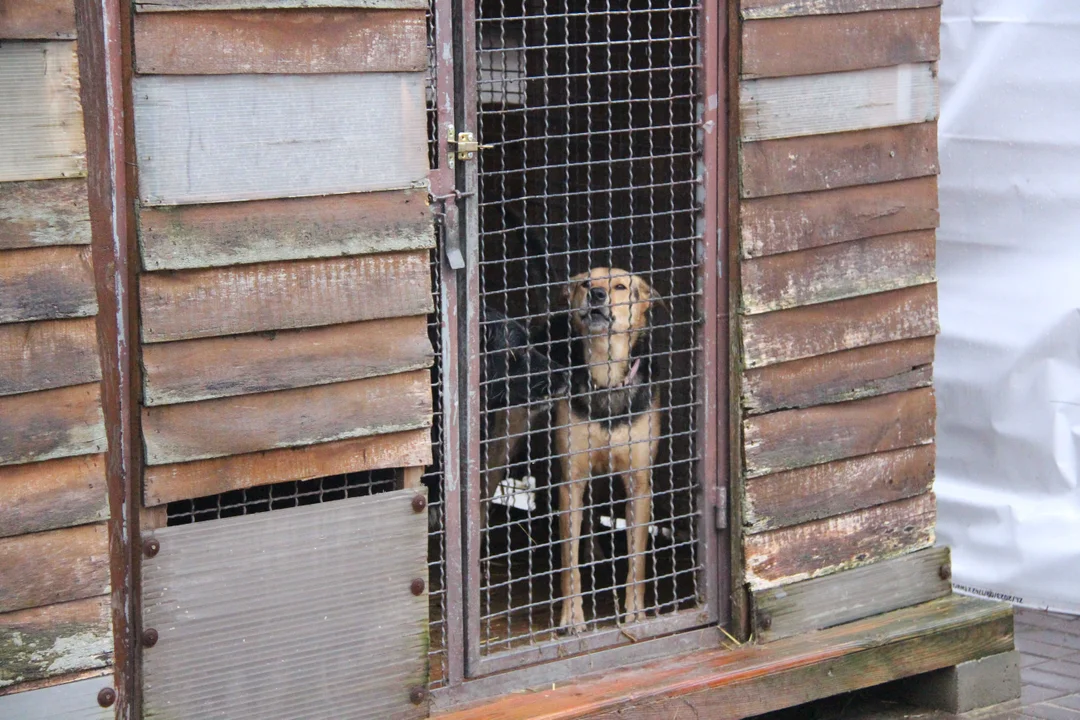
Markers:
point(408, 478)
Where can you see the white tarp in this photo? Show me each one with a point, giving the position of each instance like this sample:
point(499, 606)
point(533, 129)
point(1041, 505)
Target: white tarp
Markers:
point(1008, 358)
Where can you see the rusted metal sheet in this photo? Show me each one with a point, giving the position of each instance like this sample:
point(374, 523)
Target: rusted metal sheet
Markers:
point(181, 5)
point(53, 567)
point(826, 43)
point(852, 595)
point(222, 138)
point(51, 424)
point(196, 236)
point(761, 9)
point(53, 641)
point(820, 491)
point(46, 284)
point(289, 613)
point(283, 295)
point(287, 418)
point(822, 547)
point(52, 494)
point(37, 20)
point(280, 41)
point(47, 354)
point(788, 107)
point(784, 223)
point(41, 130)
point(44, 212)
point(181, 481)
point(840, 325)
point(192, 369)
point(76, 700)
point(837, 377)
point(834, 272)
point(776, 167)
point(792, 439)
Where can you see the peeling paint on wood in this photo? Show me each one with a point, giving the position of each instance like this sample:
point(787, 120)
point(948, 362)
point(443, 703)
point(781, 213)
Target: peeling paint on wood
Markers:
point(67, 699)
point(52, 494)
point(838, 377)
point(244, 364)
point(46, 284)
point(53, 641)
point(181, 5)
point(41, 128)
point(283, 295)
point(182, 481)
point(777, 167)
point(48, 354)
point(53, 567)
point(785, 223)
point(760, 9)
point(44, 212)
point(840, 325)
point(792, 439)
point(37, 20)
point(823, 547)
point(820, 491)
point(835, 272)
point(280, 41)
point(287, 418)
point(197, 236)
point(51, 424)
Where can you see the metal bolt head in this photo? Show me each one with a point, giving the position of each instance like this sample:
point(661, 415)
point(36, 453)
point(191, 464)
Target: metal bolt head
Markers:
point(765, 622)
point(149, 637)
point(419, 503)
point(945, 572)
point(106, 697)
point(417, 586)
point(151, 547)
point(417, 695)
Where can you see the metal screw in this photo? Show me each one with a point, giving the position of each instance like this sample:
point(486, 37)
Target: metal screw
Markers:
point(106, 697)
point(149, 637)
point(765, 622)
point(417, 586)
point(945, 572)
point(417, 695)
point(150, 547)
point(418, 503)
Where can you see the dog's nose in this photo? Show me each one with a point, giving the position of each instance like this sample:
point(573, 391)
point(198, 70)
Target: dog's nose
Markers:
point(597, 296)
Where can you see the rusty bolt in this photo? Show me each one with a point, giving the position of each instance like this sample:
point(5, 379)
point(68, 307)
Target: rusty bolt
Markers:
point(765, 622)
point(418, 503)
point(106, 697)
point(417, 586)
point(150, 547)
point(149, 637)
point(945, 572)
point(417, 695)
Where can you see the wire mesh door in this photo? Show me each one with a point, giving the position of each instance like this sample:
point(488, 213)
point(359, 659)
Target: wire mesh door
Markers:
point(589, 215)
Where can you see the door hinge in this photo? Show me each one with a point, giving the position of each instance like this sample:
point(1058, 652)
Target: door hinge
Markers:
point(467, 146)
point(721, 508)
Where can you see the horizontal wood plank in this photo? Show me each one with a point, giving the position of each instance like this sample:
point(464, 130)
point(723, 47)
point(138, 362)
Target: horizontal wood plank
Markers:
point(804, 332)
point(51, 424)
point(280, 41)
point(71, 696)
point(792, 439)
point(837, 102)
point(53, 567)
point(820, 491)
point(222, 138)
point(185, 5)
point(288, 418)
point(285, 295)
point(827, 44)
point(823, 547)
point(183, 481)
point(48, 354)
point(796, 165)
point(52, 494)
point(37, 20)
point(46, 284)
point(44, 212)
point(838, 377)
point(762, 9)
point(41, 127)
point(55, 641)
point(197, 236)
point(785, 223)
point(851, 595)
point(835, 272)
point(244, 364)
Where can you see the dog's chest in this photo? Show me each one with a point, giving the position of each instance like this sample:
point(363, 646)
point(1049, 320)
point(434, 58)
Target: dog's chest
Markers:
point(608, 405)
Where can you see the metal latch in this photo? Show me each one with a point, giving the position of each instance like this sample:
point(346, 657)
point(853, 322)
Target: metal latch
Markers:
point(467, 147)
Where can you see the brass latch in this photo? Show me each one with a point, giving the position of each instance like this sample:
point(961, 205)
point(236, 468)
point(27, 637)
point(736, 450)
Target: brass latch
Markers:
point(467, 147)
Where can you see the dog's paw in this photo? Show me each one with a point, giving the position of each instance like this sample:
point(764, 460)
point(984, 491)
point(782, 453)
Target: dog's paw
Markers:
point(634, 617)
point(572, 619)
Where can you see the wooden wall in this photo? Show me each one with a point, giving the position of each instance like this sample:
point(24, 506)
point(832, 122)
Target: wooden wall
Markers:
point(837, 158)
point(54, 547)
point(284, 236)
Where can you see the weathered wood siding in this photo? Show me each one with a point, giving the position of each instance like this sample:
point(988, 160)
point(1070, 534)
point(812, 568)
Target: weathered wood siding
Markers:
point(837, 158)
point(54, 549)
point(285, 239)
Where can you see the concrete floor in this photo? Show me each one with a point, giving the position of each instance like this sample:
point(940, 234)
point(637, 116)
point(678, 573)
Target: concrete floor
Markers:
point(1050, 671)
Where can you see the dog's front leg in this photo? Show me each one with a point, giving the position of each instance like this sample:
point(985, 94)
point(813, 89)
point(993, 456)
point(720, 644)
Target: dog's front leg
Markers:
point(638, 514)
point(571, 493)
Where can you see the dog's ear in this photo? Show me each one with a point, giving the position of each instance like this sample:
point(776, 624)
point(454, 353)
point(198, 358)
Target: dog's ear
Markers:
point(654, 297)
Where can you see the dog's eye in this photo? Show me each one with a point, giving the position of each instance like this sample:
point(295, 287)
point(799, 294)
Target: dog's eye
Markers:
point(585, 284)
point(620, 286)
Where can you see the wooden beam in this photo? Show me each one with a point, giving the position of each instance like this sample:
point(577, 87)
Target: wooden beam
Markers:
point(37, 20)
point(55, 641)
point(53, 567)
point(46, 284)
point(51, 424)
point(183, 5)
point(52, 494)
point(44, 212)
point(762, 9)
point(48, 354)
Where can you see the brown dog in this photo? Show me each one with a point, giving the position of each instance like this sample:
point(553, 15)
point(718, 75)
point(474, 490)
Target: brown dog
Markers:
point(610, 423)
